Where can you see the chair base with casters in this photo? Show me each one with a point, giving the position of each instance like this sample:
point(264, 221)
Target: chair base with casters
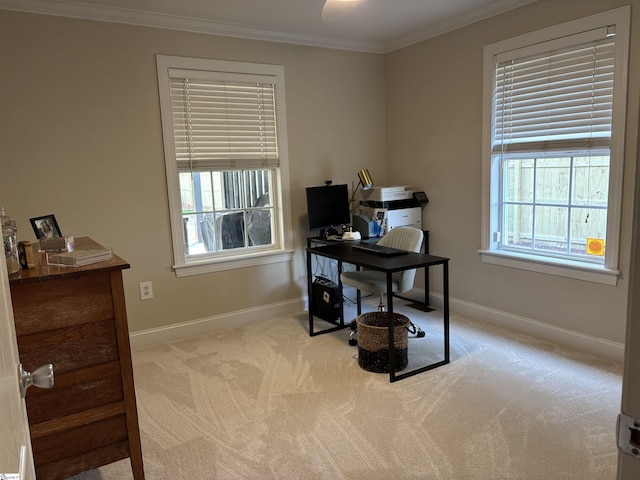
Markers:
point(375, 282)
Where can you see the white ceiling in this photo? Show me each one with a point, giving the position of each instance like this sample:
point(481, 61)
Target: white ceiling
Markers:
point(373, 25)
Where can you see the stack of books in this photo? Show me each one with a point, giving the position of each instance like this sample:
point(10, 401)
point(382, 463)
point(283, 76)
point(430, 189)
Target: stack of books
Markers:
point(79, 257)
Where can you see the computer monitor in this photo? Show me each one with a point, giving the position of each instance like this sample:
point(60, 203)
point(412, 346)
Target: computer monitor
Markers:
point(328, 207)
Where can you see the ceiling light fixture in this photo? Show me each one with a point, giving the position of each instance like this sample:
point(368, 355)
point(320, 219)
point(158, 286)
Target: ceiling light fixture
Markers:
point(334, 10)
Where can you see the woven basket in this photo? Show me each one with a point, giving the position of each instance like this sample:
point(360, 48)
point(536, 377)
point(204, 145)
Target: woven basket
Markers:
point(373, 341)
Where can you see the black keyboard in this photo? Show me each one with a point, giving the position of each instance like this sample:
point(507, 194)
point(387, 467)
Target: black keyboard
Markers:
point(378, 249)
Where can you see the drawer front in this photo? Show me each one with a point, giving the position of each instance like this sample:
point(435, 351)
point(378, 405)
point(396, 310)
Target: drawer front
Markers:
point(79, 440)
point(51, 304)
point(70, 348)
point(76, 392)
point(69, 466)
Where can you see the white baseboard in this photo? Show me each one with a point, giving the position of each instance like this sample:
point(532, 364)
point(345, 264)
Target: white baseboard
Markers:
point(218, 322)
point(597, 346)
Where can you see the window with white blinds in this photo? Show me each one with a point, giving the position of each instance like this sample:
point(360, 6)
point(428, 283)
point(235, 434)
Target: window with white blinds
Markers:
point(224, 132)
point(223, 124)
point(558, 100)
point(554, 121)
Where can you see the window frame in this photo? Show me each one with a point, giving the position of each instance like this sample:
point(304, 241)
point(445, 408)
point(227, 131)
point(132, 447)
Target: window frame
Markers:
point(608, 272)
point(282, 250)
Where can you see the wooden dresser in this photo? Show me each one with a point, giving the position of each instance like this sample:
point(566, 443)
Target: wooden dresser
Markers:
point(75, 318)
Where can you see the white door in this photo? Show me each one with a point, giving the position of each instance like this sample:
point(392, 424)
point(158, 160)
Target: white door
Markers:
point(629, 463)
point(15, 442)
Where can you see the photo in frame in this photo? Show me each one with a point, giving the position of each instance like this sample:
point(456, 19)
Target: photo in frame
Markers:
point(45, 227)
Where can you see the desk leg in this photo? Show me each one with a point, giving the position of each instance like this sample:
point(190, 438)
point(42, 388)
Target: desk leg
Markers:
point(445, 321)
point(392, 349)
point(309, 293)
point(445, 287)
point(426, 272)
point(340, 295)
point(426, 286)
point(358, 298)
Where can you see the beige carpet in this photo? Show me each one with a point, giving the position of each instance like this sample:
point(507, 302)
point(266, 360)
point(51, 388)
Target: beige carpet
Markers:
point(266, 401)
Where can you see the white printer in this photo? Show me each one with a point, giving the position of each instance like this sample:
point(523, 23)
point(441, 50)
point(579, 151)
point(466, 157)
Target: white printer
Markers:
point(388, 208)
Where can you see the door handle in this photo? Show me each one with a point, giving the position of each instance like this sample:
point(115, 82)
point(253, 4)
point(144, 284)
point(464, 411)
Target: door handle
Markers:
point(41, 377)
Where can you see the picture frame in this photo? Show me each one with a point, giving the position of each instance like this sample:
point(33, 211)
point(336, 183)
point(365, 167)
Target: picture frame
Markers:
point(45, 226)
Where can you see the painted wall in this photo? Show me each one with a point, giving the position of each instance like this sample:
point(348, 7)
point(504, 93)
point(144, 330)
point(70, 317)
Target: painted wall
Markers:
point(434, 138)
point(81, 138)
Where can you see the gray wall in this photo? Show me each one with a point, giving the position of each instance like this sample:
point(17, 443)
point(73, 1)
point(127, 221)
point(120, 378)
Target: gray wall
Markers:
point(434, 137)
point(81, 136)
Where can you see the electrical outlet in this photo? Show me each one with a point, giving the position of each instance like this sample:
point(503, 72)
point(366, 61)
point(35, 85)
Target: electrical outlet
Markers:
point(146, 290)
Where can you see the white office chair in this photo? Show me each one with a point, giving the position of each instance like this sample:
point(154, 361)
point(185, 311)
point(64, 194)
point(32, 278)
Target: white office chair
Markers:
point(372, 281)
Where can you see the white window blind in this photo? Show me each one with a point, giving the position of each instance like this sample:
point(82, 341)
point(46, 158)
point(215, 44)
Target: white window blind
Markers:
point(223, 124)
point(555, 96)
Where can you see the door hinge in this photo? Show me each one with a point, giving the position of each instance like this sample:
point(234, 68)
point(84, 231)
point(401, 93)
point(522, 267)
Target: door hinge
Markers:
point(628, 435)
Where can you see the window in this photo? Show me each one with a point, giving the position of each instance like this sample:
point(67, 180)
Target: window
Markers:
point(225, 154)
point(553, 148)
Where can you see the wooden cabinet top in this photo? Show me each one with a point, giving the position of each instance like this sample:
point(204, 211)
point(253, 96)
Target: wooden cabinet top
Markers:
point(43, 271)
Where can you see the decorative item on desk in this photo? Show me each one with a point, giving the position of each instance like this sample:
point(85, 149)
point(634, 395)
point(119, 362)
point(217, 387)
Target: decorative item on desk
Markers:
point(349, 234)
point(79, 257)
point(9, 239)
point(56, 244)
point(364, 180)
point(25, 254)
point(49, 235)
point(45, 226)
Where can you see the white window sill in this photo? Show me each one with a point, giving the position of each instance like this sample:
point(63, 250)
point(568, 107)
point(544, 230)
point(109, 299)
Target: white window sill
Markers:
point(550, 266)
point(212, 265)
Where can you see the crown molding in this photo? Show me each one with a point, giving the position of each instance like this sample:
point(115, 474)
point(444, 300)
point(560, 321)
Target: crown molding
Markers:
point(65, 8)
point(459, 21)
point(73, 9)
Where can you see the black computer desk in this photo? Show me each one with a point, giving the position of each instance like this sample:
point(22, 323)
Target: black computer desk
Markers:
point(343, 253)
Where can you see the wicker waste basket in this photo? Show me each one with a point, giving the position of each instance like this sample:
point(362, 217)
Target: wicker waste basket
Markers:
point(373, 341)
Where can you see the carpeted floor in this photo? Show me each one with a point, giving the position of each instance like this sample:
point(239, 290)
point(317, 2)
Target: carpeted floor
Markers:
point(266, 401)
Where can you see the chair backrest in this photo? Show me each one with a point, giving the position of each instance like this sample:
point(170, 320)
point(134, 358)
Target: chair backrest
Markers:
point(409, 239)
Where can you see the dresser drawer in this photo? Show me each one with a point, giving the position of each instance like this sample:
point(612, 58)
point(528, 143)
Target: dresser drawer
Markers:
point(70, 348)
point(76, 441)
point(50, 304)
point(68, 466)
point(75, 392)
